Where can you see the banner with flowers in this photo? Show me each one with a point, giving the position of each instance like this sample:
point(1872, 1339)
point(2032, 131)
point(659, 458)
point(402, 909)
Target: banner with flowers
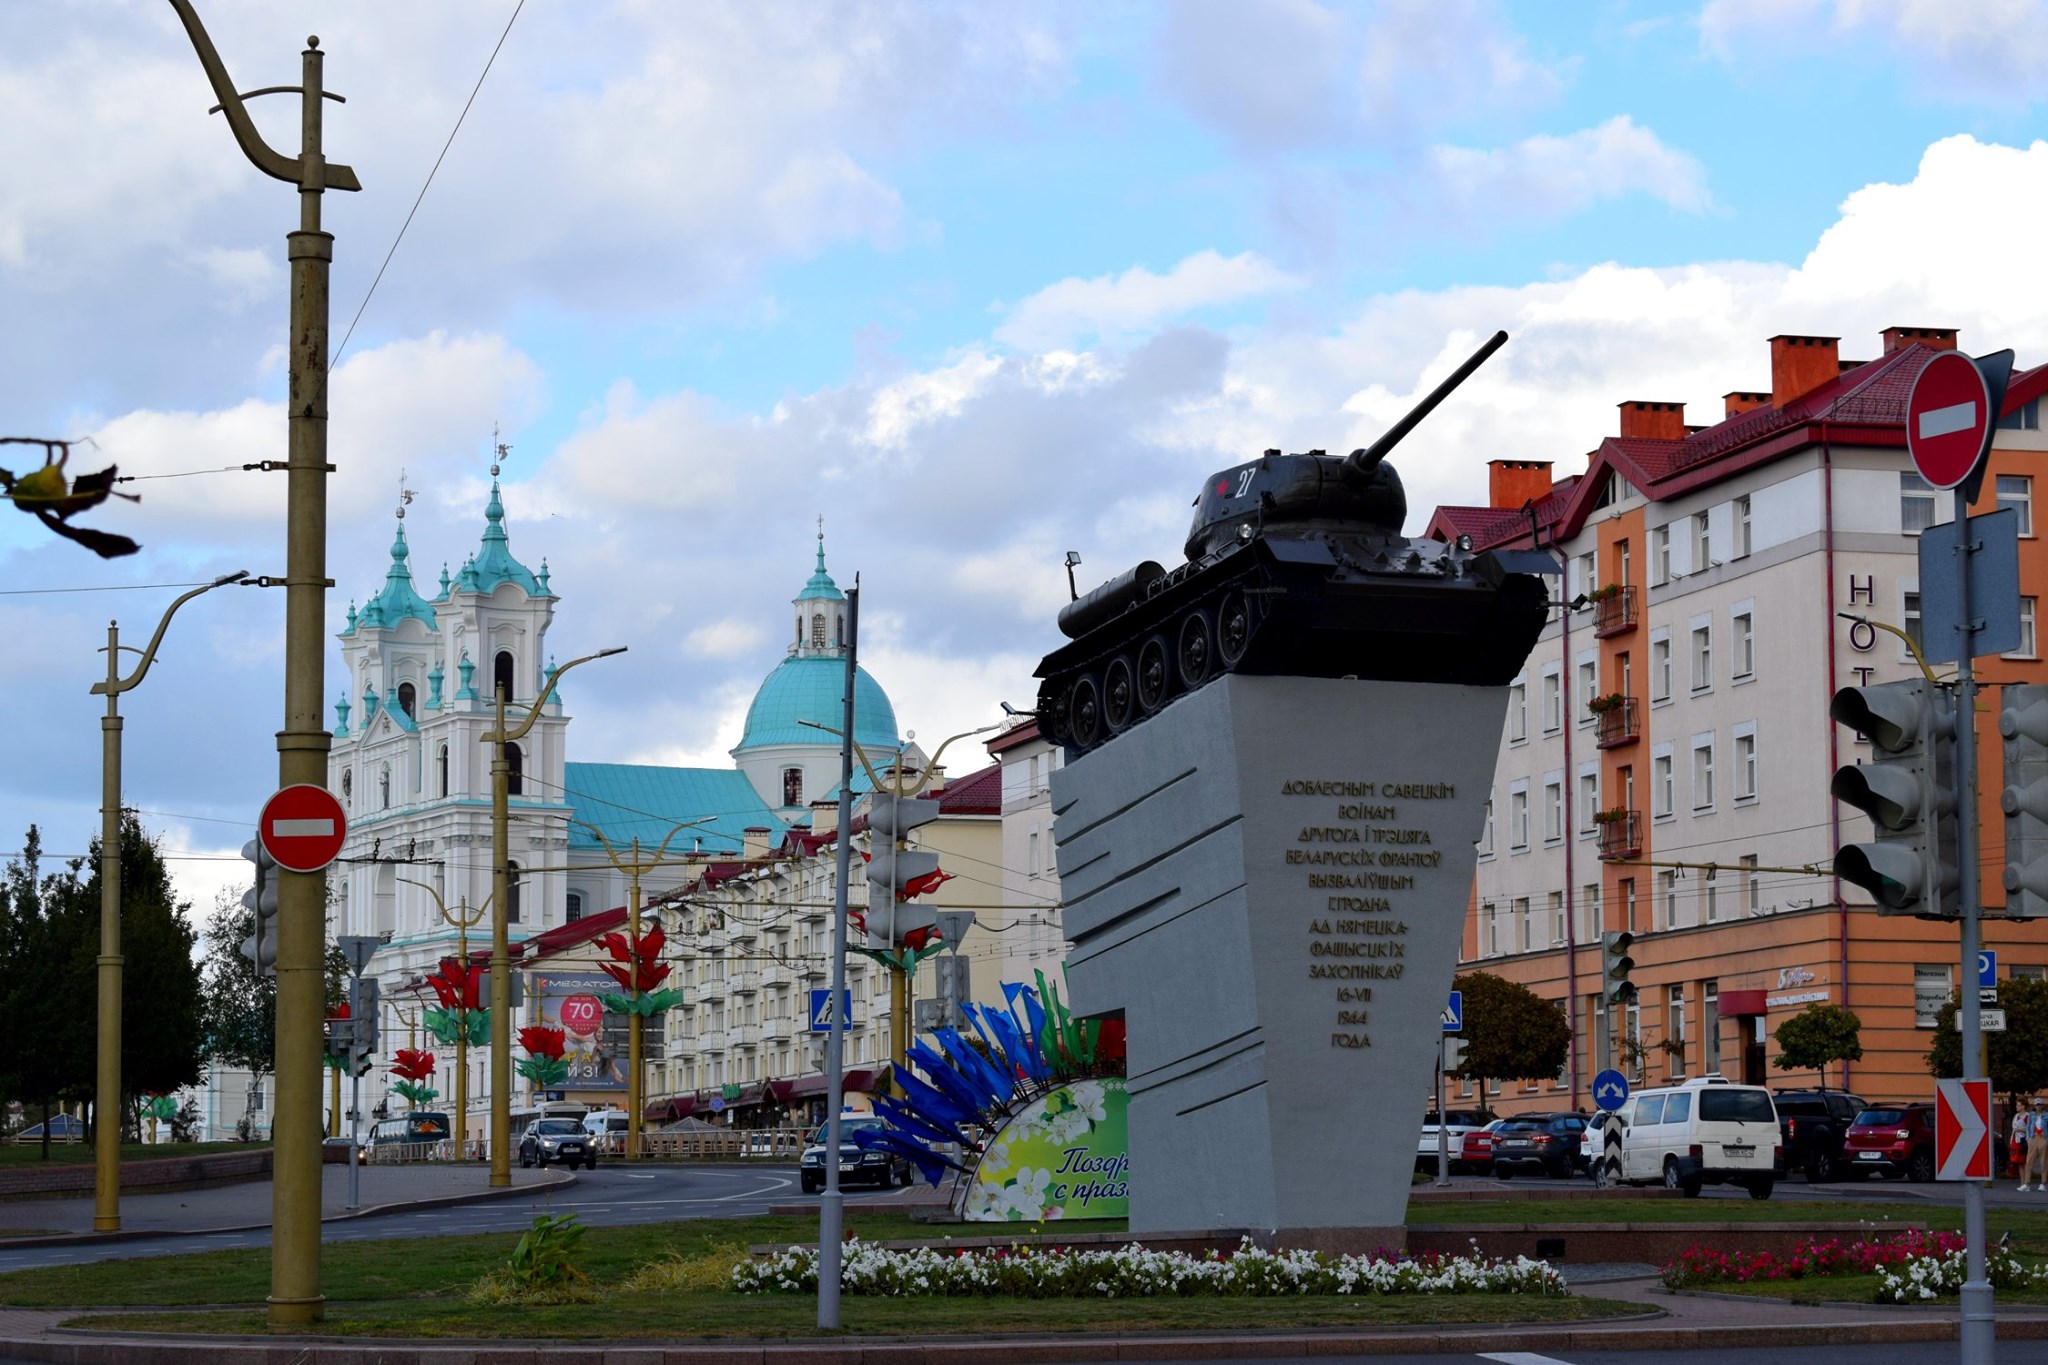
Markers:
point(1065, 1154)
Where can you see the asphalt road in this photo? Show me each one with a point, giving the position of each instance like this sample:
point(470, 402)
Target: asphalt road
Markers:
point(1919, 1353)
point(612, 1195)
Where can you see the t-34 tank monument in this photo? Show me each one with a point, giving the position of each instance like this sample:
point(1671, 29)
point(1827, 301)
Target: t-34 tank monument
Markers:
point(1278, 755)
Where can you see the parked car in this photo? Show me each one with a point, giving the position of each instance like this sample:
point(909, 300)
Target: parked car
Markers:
point(607, 1130)
point(1458, 1122)
point(856, 1164)
point(563, 1140)
point(1891, 1140)
point(1811, 1127)
point(1546, 1143)
point(1475, 1150)
point(1707, 1131)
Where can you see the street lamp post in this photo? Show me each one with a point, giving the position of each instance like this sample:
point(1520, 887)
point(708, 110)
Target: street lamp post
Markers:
point(636, 1023)
point(501, 897)
point(463, 919)
point(106, 1211)
point(303, 743)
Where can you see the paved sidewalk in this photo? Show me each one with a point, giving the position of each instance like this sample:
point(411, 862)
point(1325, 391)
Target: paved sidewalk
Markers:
point(225, 1208)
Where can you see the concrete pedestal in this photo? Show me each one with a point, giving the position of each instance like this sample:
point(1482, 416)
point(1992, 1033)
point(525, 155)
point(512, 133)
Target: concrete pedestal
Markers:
point(1268, 880)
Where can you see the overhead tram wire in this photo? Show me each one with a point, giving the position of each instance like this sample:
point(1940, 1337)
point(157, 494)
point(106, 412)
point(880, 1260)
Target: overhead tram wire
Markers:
point(335, 359)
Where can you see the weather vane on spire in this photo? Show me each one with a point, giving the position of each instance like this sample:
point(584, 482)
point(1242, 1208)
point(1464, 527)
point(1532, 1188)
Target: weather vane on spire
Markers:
point(404, 495)
point(499, 450)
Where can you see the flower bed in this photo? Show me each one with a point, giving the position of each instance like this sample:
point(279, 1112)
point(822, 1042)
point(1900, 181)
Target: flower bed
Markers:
point(1135, 1272)
point(1912, 1267)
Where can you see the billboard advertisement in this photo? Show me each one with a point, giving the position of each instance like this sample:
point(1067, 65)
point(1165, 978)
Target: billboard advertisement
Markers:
point(1064, 1154)
point(596, 1049)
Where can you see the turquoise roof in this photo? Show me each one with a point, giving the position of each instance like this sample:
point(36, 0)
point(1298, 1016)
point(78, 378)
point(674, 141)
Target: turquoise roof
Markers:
point(821, 584)
point(628, 800)
point(811, 689)
point(494, 564)
point(398, 600)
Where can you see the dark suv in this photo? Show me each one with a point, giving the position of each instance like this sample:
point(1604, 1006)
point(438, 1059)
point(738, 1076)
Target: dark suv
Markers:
point(1811, 1126)
point(1894, 1139)
point(1548, 1143)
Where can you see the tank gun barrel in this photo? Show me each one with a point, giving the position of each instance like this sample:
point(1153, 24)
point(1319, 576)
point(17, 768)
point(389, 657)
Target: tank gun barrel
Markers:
point(1362, 461)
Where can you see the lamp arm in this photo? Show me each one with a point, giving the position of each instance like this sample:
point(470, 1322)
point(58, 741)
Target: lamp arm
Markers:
point(533, 711)
point(149, 653)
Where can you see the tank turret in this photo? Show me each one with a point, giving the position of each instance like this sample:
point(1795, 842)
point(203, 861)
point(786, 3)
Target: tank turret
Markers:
point(1295, 564)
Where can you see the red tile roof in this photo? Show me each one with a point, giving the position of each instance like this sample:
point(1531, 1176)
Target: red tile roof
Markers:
point(978, 793)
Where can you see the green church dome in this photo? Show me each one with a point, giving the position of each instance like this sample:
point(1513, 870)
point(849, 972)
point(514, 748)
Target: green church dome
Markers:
point(812, 689)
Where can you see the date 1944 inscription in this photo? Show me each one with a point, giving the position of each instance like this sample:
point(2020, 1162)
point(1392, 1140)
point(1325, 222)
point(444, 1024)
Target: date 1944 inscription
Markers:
point(1361, 937)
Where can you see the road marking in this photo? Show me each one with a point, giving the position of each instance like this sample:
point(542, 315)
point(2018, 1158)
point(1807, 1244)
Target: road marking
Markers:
point(1520, 1358)
point(1955, 417)
point(639, 1177)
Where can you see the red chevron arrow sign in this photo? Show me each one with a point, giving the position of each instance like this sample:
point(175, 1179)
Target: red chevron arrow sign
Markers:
point(1962, 1130)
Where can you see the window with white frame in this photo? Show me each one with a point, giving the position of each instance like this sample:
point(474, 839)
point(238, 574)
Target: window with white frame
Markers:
point(1524, 926)
point(1932, 982)
point(1589, 912)
point(1742, 643)
point(1557, 919)
point(1492, 945)
point(1752, 885)
point(1553, 701)
point(1667, 896)
point(1674, 1029)
point(1486, 831)
point(1660, 667)
point(1710, 896)
point(1589, 683)
point(1663, 794)
point(1916, 504)
point(1518, 712)
point(1743, 534)
point(1589, 576)
point(2017, 492)
point(2027, 648)
point(1702, 772)
point(1518, 818)
point(1745, 762)
point(1702, 656)
point(1702, 543)
point(1553, 808)
point(1909, 616)
point(1589, 803)
point(1660, 556)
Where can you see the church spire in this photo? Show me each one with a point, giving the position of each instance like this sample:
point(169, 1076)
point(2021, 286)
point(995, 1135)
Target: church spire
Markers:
point(820, 612)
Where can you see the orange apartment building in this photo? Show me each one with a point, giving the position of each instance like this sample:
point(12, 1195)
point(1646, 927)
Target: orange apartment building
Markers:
point(1668, 750)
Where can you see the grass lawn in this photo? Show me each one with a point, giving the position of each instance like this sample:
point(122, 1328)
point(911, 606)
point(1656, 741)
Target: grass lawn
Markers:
point(2029, 1227)
point(1847, 1289)
point(81, 1153)
point(374, 1290)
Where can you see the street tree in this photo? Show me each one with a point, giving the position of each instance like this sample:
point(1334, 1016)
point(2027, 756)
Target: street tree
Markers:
point(1817, 1035)
point(46, 987)
point(238, 1004)
point(2018, 1056)
point(1511, 1033)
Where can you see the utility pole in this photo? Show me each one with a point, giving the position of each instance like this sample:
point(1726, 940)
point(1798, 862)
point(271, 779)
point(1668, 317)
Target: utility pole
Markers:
point(106, 1108)
point(302, 745)
point(832, 1208)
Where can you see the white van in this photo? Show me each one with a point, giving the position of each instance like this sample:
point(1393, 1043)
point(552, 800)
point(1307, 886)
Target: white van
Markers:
point(1701, 1132)
point(607, 1129)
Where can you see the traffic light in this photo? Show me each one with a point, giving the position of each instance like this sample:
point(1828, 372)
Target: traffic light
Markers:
point(2023, 721)
point(1615, 965)
point(1908, 791)
point(261, 899)
point(363, 1043)
point(895, 873)
point(1454, 1053)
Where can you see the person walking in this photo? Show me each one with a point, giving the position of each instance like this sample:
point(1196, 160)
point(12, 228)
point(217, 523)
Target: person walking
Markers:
point(2016, 1147)
point(2037, 1148)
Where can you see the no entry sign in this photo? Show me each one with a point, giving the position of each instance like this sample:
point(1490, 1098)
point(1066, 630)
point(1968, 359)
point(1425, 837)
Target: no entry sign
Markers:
point(302, 827)
point(1948, 419)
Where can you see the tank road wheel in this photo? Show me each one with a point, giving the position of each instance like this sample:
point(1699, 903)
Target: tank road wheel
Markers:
point(1084, 711)
point(1195, 655)
point(1119, 695)
point(1152, 677)
point(1057, 714)
point(1233, 628)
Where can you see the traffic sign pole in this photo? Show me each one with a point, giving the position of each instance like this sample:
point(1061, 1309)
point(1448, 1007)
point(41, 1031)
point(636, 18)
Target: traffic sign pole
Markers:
point(1977, 1326)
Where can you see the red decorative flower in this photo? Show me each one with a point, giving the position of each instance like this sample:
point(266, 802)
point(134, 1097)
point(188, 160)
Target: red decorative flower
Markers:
point(412, 1065)
point(638, 973)
point(542, 1041)
point(457, 986)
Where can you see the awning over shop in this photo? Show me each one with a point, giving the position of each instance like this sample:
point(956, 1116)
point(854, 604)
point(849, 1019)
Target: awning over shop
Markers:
point(1735, 1004)
point(856, 1082)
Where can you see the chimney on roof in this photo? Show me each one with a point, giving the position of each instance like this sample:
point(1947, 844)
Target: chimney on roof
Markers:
point(1799, 365)
point(755, 841)
point(1934, 338)
point(1516, 483)
point(824, 817)
point(1641, 420)
point(1738, 401)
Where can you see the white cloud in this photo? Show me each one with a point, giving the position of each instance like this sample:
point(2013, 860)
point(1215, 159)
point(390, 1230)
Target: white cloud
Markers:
point(1137, 301)
point(727, 639)
point(1985, 51)
point(1554, 177)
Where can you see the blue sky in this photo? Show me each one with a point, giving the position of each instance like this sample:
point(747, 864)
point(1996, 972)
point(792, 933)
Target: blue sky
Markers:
point(978, 284)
